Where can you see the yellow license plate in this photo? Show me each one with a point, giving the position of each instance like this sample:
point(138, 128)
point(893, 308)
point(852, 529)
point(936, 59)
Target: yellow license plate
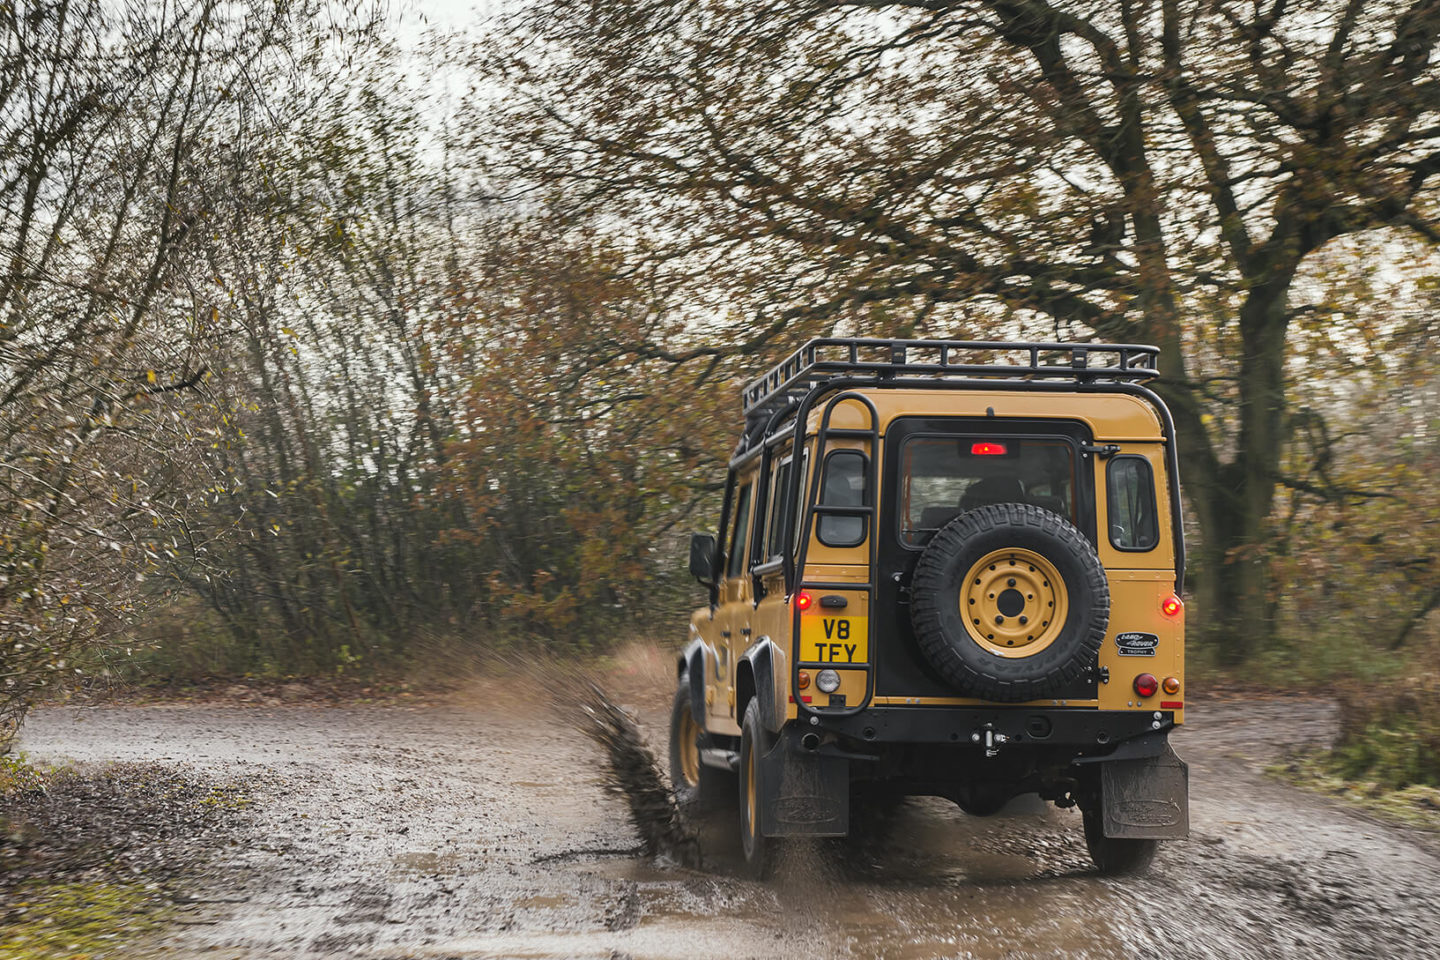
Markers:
point(834, 639)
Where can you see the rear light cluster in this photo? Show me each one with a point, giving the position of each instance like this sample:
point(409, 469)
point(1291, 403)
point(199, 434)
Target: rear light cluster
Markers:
point(803, 601)
point(1147, 686)
point(1171, 606)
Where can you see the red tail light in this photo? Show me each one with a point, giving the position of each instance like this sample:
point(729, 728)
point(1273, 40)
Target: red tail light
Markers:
point(803, 601)
point(988, 449)
point(1171, 606)
point(1146, 685)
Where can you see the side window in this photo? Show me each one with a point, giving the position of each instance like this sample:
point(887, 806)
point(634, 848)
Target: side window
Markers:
point(779, 510)
point(1130, 489)
point(736, 564)
point(842, 486)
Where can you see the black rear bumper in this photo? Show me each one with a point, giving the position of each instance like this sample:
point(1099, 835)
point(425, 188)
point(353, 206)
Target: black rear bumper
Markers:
point(1085, 729)
point(969, 754)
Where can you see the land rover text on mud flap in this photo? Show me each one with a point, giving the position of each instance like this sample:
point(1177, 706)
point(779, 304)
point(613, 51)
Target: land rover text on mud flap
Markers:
point(944, 568)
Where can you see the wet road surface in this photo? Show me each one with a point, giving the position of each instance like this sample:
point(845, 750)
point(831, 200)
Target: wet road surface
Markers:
point(472, 831)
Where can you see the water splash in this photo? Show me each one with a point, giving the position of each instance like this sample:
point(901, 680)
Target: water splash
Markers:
point(633, 774)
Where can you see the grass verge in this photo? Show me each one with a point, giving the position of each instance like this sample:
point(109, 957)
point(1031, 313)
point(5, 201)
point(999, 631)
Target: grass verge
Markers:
point(1414, 805)
point(91, 858)
point(79, 921)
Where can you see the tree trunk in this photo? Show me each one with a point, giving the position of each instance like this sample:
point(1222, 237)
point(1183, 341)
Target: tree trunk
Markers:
point(1234, 501)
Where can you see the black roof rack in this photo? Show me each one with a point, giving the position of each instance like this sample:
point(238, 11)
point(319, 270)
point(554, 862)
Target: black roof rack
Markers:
point(825, 358)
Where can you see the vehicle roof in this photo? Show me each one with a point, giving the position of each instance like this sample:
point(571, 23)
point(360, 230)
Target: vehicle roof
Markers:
point(1114, 417)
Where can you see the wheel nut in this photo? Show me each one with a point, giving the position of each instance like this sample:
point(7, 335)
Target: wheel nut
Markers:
point(999, 619)
point(1011, 582)
point(1024, 620)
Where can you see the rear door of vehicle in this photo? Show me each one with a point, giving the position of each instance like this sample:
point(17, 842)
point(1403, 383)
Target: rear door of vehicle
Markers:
point(938, 467)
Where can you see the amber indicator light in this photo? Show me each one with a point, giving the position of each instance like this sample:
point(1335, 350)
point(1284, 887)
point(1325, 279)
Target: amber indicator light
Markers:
point(1171, 685)
point(803, 680)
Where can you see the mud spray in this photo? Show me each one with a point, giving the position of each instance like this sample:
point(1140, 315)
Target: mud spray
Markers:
point(633, 773)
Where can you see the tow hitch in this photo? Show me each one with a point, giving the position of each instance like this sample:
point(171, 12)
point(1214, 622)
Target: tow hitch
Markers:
point(991, 739)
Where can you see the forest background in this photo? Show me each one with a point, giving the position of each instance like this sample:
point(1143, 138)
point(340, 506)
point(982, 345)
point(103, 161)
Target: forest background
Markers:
point(334, 343)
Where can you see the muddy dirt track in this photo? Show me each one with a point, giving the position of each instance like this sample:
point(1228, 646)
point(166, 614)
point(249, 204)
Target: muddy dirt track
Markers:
point(480, 829)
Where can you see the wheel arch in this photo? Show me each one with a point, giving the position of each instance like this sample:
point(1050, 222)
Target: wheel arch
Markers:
point(690, 666)
point(755, 680)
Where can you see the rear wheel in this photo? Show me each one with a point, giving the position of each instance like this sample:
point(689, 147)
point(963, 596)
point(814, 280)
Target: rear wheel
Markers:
point(759, 849)
point(698, 789)
point(1114, 856)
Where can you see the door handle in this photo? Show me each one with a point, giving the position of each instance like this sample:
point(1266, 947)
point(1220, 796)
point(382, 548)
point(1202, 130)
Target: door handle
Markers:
point(745, 630)
point(725, 633)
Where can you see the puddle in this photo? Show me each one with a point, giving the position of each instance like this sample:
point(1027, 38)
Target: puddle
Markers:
point(425, 862)
point(543, 902)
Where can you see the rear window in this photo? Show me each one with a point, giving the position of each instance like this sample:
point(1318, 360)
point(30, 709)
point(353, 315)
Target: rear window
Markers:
point(942, 477)
point(1130, 490)
point(843, 486)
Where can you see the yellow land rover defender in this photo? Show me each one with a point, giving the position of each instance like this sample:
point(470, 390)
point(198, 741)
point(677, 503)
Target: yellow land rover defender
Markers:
point(949, 569)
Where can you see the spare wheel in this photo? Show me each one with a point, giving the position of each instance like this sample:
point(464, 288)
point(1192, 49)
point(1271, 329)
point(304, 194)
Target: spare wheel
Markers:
point(1010, 602)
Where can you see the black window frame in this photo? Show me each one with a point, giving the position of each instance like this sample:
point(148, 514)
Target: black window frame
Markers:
point(740, 532)
point(779, 508)
point(1153, 503)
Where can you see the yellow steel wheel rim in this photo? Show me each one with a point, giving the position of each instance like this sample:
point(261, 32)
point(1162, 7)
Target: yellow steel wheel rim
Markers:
point(688, 734)
point(1014, 602)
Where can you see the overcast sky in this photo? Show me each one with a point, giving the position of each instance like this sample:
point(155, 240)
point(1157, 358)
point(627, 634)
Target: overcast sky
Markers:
point(454, 14)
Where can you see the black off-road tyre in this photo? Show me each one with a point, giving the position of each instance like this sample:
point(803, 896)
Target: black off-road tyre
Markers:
point(700, 791)
point(759, 850)
point(1113, 856)
point(945, 636)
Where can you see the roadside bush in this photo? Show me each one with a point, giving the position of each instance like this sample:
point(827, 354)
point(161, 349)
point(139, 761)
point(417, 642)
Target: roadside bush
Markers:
point(1390, 734)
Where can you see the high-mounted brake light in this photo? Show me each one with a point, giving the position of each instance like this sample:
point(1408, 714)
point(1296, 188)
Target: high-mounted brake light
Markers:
point(988, 449)
point(1146, 685)
point(1171, 606)
point(803, 601)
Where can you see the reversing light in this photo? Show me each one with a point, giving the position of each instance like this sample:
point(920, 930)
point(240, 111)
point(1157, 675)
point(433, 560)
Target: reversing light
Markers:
point(1171, 685)
point(988, 449)
point(828, 681)
point(803, 601)
point(803, 680)
point(1146, 685)
point(1171, 606)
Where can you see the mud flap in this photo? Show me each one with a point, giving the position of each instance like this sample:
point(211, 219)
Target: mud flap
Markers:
point(1147, 798)
point(803, 793)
